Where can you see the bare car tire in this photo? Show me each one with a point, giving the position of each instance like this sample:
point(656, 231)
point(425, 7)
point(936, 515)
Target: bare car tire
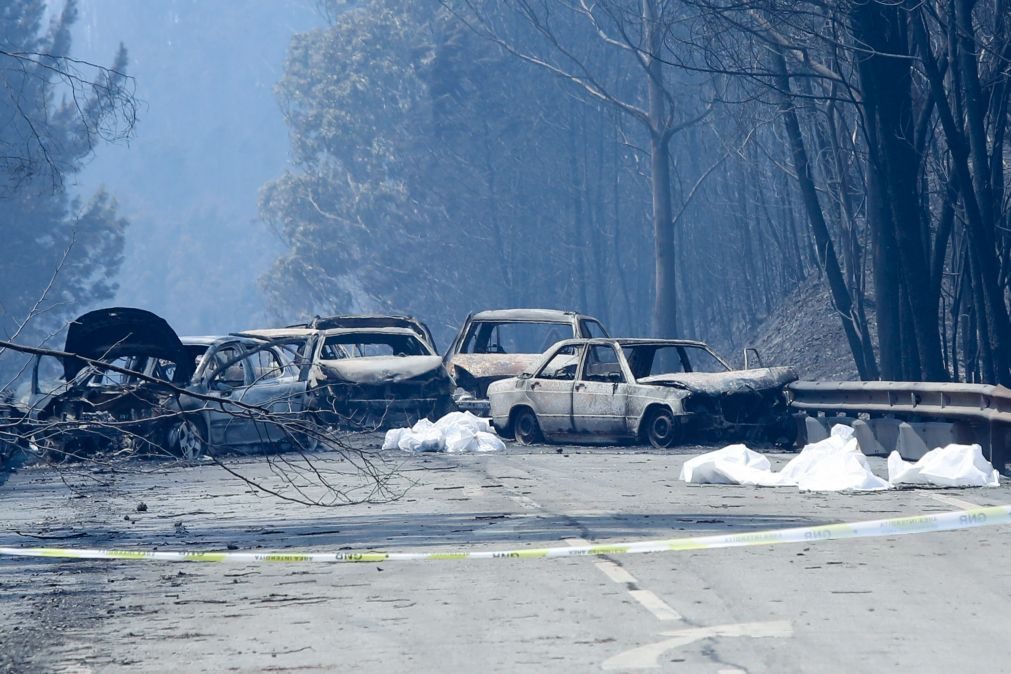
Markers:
point(662, 429)
point(308, 440)
point(187, 438)
point(526, 429)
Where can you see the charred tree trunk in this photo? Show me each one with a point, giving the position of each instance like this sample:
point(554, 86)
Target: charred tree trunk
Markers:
point(886, 79)
point(980, 235)
point(665, 302)
point(864, 359)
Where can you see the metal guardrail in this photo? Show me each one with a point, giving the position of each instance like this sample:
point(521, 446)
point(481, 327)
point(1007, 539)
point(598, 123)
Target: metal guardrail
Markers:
point(983, 407)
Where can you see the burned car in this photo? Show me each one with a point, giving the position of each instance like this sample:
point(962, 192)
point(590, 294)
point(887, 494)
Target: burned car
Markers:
point(366, 321)
point(650, 390)
point(130, 383)
point(369, 377)
point(494, 345)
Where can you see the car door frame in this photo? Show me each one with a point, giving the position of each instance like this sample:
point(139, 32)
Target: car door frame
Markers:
point(586, 420)
point(559, 423)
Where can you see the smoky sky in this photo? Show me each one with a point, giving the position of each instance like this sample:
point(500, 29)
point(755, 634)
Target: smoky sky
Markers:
point(210, 133)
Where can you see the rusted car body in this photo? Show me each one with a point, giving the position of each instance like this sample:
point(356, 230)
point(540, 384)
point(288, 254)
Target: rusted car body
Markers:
point(369, 377)
point(497, 344)
point(139, 387)
point(656, 391)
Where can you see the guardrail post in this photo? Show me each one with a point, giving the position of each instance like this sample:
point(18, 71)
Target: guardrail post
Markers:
point(998, 437)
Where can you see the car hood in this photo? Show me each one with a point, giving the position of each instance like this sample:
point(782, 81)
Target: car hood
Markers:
point(717, 383)
point(495, 365)
point(107, 334)
point(383, 369)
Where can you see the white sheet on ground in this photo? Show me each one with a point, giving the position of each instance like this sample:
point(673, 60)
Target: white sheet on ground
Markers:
point(735, 464)
point(950, 466)
point(833, 464)
point(455, 432)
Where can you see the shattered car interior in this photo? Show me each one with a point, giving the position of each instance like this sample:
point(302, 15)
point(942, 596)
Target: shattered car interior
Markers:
point(371, 377)
point(656, 391)
point(370, 373)
point(131, 383)
point(121, 368)
point(493, 345)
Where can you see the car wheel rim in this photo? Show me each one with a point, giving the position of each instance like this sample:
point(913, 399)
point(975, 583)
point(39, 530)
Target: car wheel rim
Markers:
point(526, 428)
point(190, 444)
point(661, 429)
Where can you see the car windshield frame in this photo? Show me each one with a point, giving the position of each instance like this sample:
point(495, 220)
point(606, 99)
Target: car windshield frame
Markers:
point(329, 340)
point(472, 338)
point(684, 353)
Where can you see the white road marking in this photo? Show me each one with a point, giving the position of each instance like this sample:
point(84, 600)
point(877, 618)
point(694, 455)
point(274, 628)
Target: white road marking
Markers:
point(957, 502)
point(471, 490)
point(616, 573)
point(527, 503)
point(645, 657)
point(660, 609)
point(731, 670)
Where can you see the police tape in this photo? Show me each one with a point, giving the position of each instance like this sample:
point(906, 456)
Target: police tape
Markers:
point(897, 526)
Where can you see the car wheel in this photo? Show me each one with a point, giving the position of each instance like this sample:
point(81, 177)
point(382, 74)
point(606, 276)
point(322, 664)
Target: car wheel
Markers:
point(308, 440)
point(442, 406)
point(188, 439)
point(663, 429)
point(526, 429)
point(783, 432)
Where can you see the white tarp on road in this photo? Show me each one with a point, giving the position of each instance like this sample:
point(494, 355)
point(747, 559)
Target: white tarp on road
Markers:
point(951, 466)
point(455, 432)
point(837, 464)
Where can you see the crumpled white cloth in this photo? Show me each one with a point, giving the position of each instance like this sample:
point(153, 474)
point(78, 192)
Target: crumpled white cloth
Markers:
point(456, 432)
point(949, 466)
point(735, 464)
point(833, 464)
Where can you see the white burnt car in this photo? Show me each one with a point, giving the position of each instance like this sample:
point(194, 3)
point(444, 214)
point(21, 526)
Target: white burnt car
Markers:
point(649, 390)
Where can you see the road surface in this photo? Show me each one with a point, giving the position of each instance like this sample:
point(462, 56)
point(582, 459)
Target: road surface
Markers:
point(933, 602)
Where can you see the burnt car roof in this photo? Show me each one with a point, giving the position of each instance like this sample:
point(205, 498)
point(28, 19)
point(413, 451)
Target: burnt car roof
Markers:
point(106, 334)
point(200, 340)
point(359, 321)
point(355, 321)
point(277, 333)
point(521, 315)
point(636, 341)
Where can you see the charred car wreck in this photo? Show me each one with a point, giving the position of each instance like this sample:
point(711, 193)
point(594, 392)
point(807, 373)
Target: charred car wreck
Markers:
point(656, 391)
point(368, 372)
point(130, 383)
point(497, 344)
point(99, 404)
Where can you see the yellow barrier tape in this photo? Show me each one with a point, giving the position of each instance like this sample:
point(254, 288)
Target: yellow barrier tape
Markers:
point(897, 526)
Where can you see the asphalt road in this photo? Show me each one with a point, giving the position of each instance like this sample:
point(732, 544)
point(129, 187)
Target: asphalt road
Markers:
point(933, 602)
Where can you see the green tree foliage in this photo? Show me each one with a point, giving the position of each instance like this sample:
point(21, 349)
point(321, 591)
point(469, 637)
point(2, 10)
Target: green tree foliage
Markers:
point(60, 251)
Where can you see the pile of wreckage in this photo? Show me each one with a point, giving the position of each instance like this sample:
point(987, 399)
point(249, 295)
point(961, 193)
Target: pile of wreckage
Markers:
point(126, 382)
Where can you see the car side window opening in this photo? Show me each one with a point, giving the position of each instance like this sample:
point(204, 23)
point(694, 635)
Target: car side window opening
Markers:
point(592, 329)
point(513, 337)
point(602, 365)
point(266, 365)
point(562, 365)
point(231, 376)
